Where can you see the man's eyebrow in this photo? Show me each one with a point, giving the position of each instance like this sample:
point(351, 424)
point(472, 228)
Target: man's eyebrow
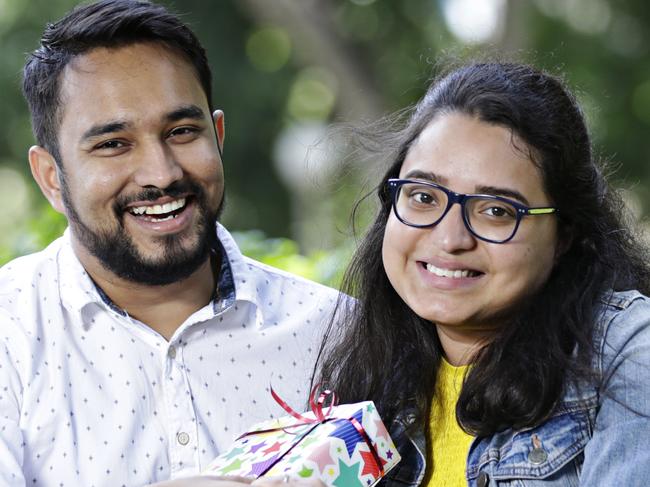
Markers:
point(507, 192)
point(104, 128)
point(187, 111)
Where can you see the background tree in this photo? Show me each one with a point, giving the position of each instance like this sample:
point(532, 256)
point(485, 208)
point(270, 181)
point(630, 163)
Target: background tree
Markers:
point(285, 69)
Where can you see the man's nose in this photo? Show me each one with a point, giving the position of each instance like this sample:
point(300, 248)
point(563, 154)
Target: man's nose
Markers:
point(157, 166)
point(451, 234)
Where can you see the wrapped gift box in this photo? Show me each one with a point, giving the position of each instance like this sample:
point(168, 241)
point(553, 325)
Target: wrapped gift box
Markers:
point(350, 447)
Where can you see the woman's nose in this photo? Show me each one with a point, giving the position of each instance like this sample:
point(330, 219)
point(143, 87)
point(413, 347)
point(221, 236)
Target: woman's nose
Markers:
point(451, 234)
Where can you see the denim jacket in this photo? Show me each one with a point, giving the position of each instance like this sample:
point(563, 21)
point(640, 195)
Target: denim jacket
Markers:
point(598, 435)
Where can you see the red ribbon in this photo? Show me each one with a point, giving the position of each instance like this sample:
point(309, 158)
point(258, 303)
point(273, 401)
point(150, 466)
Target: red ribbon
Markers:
point(317, 406)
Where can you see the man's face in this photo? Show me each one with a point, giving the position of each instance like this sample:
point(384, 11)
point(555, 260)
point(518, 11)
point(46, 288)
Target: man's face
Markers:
point(142, 180)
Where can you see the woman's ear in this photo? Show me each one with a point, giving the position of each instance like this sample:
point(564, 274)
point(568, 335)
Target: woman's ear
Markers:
point(46, 174)
point(563, 244)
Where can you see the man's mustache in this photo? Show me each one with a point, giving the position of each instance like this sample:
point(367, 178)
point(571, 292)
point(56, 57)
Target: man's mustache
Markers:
point(174, 190)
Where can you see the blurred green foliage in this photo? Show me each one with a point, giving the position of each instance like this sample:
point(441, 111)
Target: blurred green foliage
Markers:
point(38, 231)
point(281, 65)
point(322, 266)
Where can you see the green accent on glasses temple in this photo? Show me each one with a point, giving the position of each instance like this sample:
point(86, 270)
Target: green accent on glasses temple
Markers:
point(541, 211)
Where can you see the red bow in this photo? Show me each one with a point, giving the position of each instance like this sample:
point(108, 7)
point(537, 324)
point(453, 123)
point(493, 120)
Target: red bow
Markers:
point(317, 406)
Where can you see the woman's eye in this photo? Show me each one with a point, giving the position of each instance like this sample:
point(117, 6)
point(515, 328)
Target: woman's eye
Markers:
point(422, 198)
point(499, 212)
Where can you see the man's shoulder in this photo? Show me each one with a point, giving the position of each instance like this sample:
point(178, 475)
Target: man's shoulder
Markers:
point(21, 277)
point(280, 295)
point(265, 272)
point(25, 266)
point(251, 276)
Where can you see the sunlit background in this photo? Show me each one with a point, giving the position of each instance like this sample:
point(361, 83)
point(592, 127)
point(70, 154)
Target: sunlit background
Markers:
point(285, 70)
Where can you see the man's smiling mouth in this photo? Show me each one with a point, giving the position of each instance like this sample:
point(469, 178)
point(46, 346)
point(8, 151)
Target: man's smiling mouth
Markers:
point(159, 213)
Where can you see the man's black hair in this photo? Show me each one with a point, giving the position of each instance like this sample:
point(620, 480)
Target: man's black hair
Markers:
point(108, 24)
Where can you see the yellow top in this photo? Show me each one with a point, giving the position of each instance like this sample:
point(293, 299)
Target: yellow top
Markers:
point(447, 444)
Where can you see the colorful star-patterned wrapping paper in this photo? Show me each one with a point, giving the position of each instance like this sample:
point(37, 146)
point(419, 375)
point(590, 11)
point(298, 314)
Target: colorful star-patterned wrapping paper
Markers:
point(333, 451)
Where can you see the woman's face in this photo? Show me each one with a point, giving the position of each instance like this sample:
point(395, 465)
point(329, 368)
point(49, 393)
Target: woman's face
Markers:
point(470, 156)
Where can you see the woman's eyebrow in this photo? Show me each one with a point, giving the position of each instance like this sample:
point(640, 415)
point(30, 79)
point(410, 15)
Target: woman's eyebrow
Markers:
point(491, 190)
point(426, 175)
point(507, 192)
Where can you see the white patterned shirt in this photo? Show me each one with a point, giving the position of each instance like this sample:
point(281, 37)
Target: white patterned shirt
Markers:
point(91, 397)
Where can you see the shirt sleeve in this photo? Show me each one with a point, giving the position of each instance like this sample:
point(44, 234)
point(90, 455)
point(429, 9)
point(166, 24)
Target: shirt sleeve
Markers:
point(618, 452)
point(11, 440)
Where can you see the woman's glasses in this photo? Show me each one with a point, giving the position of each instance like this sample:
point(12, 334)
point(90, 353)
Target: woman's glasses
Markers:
point(491, 218)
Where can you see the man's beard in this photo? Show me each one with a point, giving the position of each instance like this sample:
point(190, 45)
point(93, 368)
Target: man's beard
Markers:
point(116, 251)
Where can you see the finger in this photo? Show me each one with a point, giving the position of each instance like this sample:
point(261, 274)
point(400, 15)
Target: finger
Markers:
point(287, 481)
point(242, 480)
point(206, 481)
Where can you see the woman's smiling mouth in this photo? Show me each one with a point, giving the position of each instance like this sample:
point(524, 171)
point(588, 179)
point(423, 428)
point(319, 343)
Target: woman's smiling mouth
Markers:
point(450, 273)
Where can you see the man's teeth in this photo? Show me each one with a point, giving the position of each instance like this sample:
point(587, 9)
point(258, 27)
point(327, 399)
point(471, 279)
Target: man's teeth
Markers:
point(159, 209)
point(457, 274)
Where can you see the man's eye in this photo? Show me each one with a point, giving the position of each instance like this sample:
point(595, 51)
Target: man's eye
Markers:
point(185, 133)
point(110, 144)
point(110, 147)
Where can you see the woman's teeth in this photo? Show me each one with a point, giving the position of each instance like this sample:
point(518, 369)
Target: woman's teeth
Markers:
point(455, 274)
point(159, 209)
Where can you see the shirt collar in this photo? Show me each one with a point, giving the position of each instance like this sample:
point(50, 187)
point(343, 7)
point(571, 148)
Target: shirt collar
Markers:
point(240, 281)
point(78, 290)
point(225, 293)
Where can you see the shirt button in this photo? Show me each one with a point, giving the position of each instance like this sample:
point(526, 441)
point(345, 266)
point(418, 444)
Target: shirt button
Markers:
point(172, 351)
point(183, 438)
point(483, 480)
point(537, 456)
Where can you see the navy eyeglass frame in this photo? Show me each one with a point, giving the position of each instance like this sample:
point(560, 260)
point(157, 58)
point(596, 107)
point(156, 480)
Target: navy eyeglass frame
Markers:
point(394, 186)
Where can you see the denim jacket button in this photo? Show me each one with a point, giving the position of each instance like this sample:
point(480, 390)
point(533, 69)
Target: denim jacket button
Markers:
point(483, 480)
point(537, 456)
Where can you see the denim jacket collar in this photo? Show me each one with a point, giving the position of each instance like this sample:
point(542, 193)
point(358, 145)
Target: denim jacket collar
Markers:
point(553, 452)
point(511, 454)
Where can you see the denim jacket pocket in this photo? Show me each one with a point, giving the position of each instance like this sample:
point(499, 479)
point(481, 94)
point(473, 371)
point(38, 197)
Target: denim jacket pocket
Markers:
point(548, 455)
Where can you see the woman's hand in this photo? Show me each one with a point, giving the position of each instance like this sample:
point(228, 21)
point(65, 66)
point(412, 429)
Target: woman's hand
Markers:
point(289, 481)
point(205, 481)
point(213, 481)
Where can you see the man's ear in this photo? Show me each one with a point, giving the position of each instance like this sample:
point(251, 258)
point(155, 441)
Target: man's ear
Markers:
point(46, 174)
point(219, 126)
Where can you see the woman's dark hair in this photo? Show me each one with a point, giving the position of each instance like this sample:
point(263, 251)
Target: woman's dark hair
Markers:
point(386, 353)
point(110, 24)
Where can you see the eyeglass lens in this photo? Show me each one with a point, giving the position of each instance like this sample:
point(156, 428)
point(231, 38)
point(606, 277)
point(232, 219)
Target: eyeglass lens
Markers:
point(489, 218)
